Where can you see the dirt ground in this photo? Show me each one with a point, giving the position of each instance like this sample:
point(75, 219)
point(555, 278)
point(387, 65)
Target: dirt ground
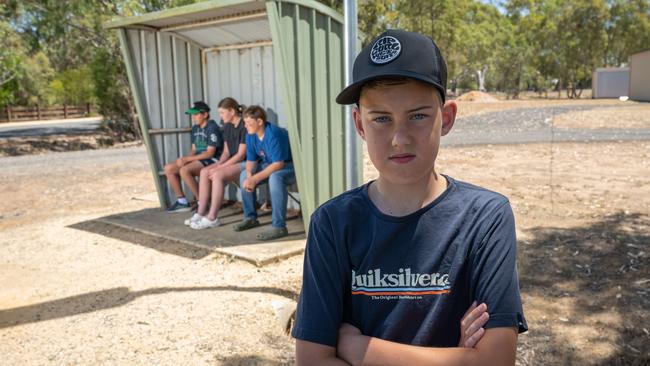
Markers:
point(636, 116)
point(78, 292)
point(16, 146)
point(471, 108)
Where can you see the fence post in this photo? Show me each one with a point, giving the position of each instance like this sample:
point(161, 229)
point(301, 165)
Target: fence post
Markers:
point(87, 109)
point(9, 113)
point(65, 111)
point(38, 111)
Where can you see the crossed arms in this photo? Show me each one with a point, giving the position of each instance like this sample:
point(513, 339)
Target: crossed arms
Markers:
point(495, 346)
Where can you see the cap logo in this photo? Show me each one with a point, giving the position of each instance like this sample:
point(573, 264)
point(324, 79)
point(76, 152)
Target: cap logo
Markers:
point(385, 50)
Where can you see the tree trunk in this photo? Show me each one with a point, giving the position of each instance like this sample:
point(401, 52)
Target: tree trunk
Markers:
point(480, 76)
point(515, 95)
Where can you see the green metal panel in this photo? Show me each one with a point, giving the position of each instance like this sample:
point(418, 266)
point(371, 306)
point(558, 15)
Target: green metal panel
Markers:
point(138, 96)
point(308, 46)
point(307, 52)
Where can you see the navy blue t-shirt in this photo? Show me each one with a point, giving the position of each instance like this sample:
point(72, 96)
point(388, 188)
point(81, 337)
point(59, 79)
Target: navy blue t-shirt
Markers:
point(210, 135)
point(272, 148)
point(409, 279)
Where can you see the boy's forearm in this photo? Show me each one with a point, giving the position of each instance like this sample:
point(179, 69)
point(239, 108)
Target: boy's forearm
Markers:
point(382, 352)
point(234, 159)
point(266, 172)
point(330, 361)
point(313, 354)
point(497, 347)
point(250, 168)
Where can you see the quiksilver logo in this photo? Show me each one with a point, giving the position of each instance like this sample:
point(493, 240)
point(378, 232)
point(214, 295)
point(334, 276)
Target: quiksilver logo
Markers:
point(385, 50)
point(404, 282)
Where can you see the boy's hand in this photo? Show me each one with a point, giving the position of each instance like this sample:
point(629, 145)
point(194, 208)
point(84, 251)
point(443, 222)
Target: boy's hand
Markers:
point(352, 344)
point(471, 326)
point(181, 161)
point(249, 184)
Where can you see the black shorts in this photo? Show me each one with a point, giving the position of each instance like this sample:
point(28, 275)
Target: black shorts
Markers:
point(207, 162)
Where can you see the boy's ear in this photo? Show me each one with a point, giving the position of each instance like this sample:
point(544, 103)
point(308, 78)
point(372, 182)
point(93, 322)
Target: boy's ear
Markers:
point(356, 116)
point(448, 116)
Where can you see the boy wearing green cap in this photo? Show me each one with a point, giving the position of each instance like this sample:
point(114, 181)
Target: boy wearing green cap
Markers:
point(207, 142)
point(392, 267)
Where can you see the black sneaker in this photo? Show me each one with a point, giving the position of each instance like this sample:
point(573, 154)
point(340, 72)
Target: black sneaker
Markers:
point(246, 224)
point(179, 207)
point(273, 233)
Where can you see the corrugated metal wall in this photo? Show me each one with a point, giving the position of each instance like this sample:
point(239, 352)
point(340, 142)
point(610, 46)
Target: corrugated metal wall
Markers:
point(248, 75)
point(168, 71)
point(295, 76)
point(309, 51)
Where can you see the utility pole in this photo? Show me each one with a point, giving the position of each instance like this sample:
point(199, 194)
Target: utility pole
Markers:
point(350, 52)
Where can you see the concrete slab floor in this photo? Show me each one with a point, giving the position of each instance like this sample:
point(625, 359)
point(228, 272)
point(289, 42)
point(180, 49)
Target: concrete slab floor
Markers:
point(223, 239)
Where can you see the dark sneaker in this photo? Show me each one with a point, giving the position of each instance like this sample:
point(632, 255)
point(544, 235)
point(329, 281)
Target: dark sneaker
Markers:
point(246, 224)
point(179, 207)
point(273, 233)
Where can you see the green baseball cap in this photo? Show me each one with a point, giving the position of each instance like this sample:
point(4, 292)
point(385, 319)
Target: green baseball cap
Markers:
point(198, 107)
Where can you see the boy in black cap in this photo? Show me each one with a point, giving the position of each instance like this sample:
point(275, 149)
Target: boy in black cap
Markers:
point(207, 142)
point(391, 267)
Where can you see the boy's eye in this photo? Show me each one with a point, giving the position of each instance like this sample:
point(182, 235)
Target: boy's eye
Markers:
point(419, 116)
point(382, 119)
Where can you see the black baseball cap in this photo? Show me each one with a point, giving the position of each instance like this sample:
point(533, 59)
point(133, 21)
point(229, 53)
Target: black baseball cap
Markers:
point(198, 107)
point(397, 53)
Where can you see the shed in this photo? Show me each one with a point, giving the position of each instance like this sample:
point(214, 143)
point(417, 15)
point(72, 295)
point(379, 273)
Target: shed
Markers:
point(610, 82)
point(285, 55)
point(640, 76)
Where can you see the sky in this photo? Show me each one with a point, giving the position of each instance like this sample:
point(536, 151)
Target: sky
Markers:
point(497, 3)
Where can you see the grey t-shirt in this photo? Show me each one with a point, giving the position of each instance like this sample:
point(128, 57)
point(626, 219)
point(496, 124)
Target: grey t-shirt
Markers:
point(409, 279)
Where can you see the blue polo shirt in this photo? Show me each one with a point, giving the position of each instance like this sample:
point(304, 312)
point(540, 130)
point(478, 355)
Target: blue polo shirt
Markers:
point(274, 147)
point(409, 279)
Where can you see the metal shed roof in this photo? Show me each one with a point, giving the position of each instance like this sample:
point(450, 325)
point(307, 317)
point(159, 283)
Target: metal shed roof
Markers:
point(202, 12)
point(285, 55)
point(215, 23)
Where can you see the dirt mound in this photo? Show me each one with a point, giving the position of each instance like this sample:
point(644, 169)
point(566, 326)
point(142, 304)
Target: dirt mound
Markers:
point(476, 96)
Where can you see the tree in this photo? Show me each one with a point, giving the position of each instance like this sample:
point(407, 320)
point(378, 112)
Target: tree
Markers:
point(481, 38)
point(11, 53)
point(69, 35)
point(512, 62)
point(568, 36)
point(24, 77)
point(628, 30)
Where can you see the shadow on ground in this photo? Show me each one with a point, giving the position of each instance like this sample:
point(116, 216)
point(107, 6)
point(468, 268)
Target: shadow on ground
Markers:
point(131, 236)
point(158, 230)
point(591, 283)
point(106, 299)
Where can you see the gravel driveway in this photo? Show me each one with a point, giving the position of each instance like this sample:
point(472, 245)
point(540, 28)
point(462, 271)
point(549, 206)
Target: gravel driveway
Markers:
point(531, 125)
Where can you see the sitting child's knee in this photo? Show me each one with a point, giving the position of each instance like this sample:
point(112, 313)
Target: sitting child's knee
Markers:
point(275, 178)
point(185, 170)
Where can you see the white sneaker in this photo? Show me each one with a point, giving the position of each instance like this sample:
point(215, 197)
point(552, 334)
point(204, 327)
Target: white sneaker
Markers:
point(205, 223)
point(195, 218)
